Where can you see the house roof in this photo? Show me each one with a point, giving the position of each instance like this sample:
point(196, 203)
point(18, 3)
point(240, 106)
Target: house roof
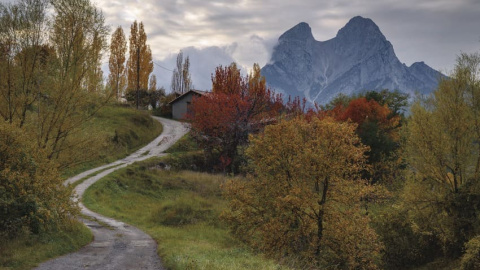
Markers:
point(199, 92)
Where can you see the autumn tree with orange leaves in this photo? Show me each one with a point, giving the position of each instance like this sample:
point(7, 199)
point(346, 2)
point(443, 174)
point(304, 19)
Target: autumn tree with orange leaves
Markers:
point(303, 200)
point(237, 106)
point(376, 126)
point(378, 118)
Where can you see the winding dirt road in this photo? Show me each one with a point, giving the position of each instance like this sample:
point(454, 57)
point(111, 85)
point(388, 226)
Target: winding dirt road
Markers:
point(117, 245)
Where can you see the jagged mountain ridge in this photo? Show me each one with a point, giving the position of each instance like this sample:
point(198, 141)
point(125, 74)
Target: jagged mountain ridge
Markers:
point(359, 58)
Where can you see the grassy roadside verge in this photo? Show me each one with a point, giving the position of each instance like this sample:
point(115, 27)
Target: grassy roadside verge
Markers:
point(180, 210)
point(27, 251)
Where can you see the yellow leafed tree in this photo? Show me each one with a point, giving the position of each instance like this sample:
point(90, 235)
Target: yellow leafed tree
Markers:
point(444, 129)
point(32, 194)
point(442, 194)
point(152, 87)
point(50, 82)
point(303, 200)
point(50, 73)
point(69, 99)
point(116, 63)
point(139, 64)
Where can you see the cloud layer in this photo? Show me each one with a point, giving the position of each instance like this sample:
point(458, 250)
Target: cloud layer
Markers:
point(434, 31)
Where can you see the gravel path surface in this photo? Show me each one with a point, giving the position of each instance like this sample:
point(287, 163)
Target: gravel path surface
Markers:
point(117, 245)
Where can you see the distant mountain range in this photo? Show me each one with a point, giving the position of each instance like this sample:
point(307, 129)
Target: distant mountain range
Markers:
point(359, 58)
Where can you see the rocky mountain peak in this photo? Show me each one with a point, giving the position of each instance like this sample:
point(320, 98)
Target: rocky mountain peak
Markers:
point(420, 64)
point(359, 58)
point(359, 29)
point(300, 32)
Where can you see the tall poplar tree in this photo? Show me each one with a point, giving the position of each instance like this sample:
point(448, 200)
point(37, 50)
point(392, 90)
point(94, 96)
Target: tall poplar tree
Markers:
point(139, 64)
point(153, 83)
point(116, 63)
point(181, 80)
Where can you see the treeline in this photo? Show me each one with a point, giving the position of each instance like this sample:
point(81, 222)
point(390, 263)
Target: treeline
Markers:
point(131, 78)
point(354, 184)
point(51, 86)
point(51, 83)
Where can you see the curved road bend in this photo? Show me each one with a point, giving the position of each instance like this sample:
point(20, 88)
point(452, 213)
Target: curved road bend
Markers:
point(118, 246)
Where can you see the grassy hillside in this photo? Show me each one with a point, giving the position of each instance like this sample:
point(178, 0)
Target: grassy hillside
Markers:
point(120, 131)
point(180, 210)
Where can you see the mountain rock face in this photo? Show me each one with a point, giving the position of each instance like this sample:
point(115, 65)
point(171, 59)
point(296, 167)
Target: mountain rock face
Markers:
point(359, 58)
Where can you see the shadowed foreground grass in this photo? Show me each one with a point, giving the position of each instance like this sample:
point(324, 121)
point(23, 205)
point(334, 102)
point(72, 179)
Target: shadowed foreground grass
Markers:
point(180, 210)
point(28, 250)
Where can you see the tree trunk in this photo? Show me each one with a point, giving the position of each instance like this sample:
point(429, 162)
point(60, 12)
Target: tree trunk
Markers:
point(321, 213)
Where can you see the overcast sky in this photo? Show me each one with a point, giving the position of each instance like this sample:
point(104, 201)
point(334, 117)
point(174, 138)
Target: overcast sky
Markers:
point(218, 32)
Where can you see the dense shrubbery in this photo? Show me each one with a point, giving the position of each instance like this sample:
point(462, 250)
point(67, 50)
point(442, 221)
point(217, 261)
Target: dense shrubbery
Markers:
point(146, 97)
point(403, 246)
point(32, 194)
point(471, 258)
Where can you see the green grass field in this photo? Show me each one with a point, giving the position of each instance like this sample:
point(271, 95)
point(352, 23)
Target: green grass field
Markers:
point(180, 210)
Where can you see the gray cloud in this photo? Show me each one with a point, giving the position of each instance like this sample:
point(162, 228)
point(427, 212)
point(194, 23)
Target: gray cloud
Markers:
point(434, 31)
point(202, 65)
